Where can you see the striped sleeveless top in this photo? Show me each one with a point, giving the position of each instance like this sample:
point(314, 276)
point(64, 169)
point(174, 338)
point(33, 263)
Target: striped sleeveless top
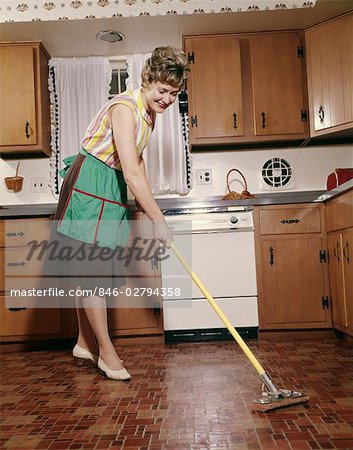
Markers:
point(98, 140)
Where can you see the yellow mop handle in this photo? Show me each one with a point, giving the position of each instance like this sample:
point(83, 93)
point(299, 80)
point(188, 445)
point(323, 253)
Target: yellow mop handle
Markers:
point(259, 369)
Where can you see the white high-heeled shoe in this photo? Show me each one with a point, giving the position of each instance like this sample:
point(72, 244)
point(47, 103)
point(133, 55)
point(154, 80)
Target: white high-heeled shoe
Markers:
point(82, 353)
point(120, 375)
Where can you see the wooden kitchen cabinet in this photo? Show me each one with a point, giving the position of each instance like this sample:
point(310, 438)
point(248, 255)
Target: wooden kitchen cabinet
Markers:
point(20, 269)
point(339, 219)
point(215, 89)
point(24, 318)
point(24, 98)
point(134, 316)
point(134, 312)
point(19, 322)
point(347, 249)
point(278, 94)
point(292, 277)
point(330, 76)
point(339, 212)
point(246, 88)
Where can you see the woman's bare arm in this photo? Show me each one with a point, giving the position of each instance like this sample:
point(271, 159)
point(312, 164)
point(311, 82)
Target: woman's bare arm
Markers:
point(123, 123)
point(142, 166)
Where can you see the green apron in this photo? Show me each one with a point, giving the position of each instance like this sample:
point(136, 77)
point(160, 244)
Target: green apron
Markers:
point(96, 211)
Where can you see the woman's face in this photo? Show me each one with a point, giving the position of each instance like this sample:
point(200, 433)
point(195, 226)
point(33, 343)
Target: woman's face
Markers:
point(159, 96)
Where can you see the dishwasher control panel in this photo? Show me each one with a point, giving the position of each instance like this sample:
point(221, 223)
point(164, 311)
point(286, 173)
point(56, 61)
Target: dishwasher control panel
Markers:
point(213, 221)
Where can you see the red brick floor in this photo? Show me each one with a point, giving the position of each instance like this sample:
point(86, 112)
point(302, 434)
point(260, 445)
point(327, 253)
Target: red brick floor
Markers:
point(184, 396)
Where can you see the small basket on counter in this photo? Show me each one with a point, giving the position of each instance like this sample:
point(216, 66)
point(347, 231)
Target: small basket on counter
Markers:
point(232, 195)
point(14, 183)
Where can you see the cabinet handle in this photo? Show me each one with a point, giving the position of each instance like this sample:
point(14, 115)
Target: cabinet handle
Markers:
point(16, 264)
point(290, 221)
point(15, 234)
point(235, 121)
point(263, 115)
point(271, 256)
point(22, 308)
point(27, 130)
point(344, 251)
point(321, 114)
point(335, 251)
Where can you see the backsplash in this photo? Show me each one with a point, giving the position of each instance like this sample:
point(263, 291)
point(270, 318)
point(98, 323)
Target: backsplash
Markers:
point(311, 165)
point(29, 169)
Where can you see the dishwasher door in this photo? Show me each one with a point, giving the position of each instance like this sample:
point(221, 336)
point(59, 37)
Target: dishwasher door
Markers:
point(225, 263)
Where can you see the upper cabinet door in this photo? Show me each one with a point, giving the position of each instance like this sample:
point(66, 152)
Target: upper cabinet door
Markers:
point(24, 99)
point(277, 74)
point(330, 75)
point(17, 96)
point(214, 88)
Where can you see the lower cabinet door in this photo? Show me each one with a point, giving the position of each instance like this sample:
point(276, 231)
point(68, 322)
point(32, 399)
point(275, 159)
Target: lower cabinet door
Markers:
point(347, 251)
point(19, 322)
point(339, 310)
point(134, 322)
point(340, 245)
point(136, 309)
point(292, 286)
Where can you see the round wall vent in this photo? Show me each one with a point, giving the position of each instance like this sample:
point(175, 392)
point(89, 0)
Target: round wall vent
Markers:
point(277, 173)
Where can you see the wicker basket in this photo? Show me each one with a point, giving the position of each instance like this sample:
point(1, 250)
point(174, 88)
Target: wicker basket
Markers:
point(232, 195)
point(14, 183)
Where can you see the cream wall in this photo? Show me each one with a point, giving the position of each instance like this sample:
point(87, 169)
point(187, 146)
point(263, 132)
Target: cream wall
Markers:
point(311, 165)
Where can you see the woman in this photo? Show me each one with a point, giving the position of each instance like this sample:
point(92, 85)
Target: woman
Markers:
point(92, 205)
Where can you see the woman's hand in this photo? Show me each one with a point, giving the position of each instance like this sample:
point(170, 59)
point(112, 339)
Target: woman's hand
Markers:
point(162, 232)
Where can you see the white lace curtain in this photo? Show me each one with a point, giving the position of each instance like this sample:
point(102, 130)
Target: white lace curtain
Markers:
point(167, 157)
point(78, 88)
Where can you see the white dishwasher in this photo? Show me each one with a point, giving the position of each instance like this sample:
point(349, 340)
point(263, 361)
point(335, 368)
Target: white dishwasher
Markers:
point(219, 245)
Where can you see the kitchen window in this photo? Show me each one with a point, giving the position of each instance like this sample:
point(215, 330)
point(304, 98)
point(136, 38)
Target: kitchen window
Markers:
point(119, 77)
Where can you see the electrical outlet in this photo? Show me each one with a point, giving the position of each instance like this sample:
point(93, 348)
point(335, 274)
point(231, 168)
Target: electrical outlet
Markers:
point(37, 185)
point(203, 176)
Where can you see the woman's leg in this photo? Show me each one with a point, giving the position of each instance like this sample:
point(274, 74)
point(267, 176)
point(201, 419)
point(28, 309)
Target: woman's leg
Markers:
point(86, 338)
point(96, 312)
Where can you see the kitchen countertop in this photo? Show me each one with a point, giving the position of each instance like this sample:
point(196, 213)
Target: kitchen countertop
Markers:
point(271, 198)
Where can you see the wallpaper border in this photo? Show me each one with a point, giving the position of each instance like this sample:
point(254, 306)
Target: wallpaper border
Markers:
point(39, 10)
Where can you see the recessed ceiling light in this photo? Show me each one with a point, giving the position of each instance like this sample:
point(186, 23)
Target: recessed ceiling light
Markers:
point(110, 36)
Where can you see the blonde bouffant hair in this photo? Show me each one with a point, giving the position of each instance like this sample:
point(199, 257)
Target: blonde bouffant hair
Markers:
point(168, 65)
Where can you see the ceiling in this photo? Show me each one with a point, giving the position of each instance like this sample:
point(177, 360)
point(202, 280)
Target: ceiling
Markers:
point(142, 34)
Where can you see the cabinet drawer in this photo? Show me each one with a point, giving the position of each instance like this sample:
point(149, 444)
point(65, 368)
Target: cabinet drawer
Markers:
point(16, 320)
point(290, 220)
point(18, 261)
point(16, 268)
point(339, 212)
point(19, 232)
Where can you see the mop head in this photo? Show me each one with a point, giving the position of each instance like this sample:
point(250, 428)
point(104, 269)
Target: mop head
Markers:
point(269, 401)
